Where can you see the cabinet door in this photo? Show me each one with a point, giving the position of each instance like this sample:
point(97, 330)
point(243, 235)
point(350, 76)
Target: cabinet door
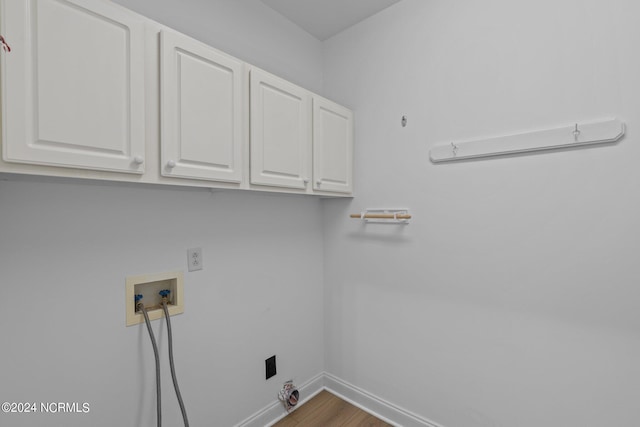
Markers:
point(280, 132)
point(332, 147)
point(201, 111)
point(72, 85)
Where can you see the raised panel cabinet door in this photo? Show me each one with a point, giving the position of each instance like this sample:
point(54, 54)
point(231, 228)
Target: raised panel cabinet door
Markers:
point(201, 97)
point(73, 85)
point(332, 147)
point(280, 132)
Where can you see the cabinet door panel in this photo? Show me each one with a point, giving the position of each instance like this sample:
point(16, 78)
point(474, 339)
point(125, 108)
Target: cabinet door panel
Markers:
point(201, 111)
point(280, 132)
point(73, 89)
point(332, 147)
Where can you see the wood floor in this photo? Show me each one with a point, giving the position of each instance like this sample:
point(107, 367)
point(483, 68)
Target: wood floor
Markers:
point(327, 410)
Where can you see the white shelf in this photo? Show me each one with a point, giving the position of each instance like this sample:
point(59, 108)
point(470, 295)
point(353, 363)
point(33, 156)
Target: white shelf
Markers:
point(580, 134)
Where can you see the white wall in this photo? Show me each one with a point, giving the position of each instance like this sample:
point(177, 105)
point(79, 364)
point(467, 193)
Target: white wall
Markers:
point(511, 299)
point(248, 30)
point(66, 248)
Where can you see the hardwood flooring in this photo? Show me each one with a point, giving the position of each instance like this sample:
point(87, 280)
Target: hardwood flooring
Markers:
point(327, 410)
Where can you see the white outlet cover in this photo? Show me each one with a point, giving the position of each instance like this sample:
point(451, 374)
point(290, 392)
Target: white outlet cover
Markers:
point(194, 259)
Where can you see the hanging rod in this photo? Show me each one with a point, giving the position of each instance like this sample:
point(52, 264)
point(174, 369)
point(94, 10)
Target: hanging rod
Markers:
point(384, 216)
point(381, 216)
point(578, 134)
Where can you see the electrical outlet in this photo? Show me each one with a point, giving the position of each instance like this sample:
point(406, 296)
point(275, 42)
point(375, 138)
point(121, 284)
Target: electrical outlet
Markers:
point(270, 366)
point(194, 259)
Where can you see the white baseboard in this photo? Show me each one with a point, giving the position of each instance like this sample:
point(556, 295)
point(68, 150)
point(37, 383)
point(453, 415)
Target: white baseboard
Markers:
point(375, 405)
point(364, 400)
point(275, 411)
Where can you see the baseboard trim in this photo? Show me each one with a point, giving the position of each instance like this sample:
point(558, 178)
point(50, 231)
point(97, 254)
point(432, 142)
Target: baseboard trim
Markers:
point(375, 405)
point(368, 402)
point(275, 411)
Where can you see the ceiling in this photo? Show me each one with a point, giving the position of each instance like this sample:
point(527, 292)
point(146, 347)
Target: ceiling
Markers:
point(325, 18)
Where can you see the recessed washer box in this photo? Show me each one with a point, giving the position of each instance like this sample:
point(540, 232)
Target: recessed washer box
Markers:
point(149, 286)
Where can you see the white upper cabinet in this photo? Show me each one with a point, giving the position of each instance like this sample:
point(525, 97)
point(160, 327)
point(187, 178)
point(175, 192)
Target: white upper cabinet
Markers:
point(280, 132)
point(332, 147)
point(91, 89)
point(73, 85)
point(202, 114)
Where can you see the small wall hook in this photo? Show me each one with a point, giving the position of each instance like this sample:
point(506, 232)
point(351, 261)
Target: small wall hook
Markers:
point(404, 121)
point(576, 132)
point(5, 45)
point(454, 149)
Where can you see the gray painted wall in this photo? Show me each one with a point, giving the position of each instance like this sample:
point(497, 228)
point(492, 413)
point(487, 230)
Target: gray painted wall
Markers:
point(511, 299)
